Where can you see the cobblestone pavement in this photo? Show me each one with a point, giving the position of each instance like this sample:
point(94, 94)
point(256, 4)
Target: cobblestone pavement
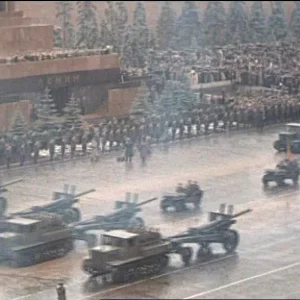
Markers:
point(228, 168)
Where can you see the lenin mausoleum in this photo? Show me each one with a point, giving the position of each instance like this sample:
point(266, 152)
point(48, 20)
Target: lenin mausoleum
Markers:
point(92, 75)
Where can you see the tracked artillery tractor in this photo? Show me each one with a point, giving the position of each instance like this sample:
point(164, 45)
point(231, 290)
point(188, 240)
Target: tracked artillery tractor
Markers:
point(62, 204)
point(191, 194)
point(123, 217)
point(29, 241)
point(286, 169)
point(129, 255)
point(3, 200)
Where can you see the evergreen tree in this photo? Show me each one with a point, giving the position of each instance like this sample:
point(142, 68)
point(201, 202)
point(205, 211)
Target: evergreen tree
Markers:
point(64, 11)
point(57, 37)
point(295, 22)
point(72, 114)
point(277, 22)
point(140, 35)
point(165, 25)
point(19, 126)
point(237, 23)
point(215, 23)
point(87, 35)
point(126, 56)
point(257, 22)
point(122, 20)
point(114, 24)
point(47, 111)
point(141, 105)
point(152, 43)
point(187, 27)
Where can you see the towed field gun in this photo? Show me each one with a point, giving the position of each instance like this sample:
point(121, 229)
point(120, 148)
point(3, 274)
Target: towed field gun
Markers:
point(123, 217)
point(286, 169)
point(216, 231)
point(31, 240)
point(62, 204)
point(3, 200)
point(190, 194)
point(129, 255)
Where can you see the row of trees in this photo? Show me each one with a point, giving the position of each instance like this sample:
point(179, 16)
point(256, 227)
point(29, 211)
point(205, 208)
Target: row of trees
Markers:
point(48, 117)
point(185, 31)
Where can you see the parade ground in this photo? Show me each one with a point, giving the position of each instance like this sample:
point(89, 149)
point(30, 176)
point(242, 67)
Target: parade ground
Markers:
point(228, 167)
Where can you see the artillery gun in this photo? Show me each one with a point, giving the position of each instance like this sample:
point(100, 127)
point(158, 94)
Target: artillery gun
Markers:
point(62, 205)
point(124, 217)
point(28, 241)
point(191, 194)
point(216, 231)
point(128, 255)
point(3, 200)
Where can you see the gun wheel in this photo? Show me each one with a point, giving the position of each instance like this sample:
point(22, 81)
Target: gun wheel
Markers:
point(230, 240)
point(204, 251)
point(186, 255)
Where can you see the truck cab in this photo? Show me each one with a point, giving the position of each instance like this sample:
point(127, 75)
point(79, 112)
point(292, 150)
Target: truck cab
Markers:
point(290, 135)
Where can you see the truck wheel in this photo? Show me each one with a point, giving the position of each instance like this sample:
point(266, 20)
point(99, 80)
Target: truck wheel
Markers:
point(3, 205)
point(180, 206)
point(197, 203)
point(230, 240)
point(186, 255)
point(296, 179)
point(164, 206)
point(280, 182)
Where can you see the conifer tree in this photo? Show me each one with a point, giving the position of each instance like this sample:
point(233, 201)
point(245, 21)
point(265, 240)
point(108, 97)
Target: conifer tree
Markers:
point(277, 23)
point(152, 43)
point(141, 105)
point(187, 27)
point(140, 35)
point(114, 23)
point(87, 35)
point(126, 53)
point(57, 37)
point(47, 111)
point(214, 23)
point(237, 23)
point(295, 22)
point(165, 25)
point(64, 11)
point(19, 126)
point(72, 114)
point(257, 22)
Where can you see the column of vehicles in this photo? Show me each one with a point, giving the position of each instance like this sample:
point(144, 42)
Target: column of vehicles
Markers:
point(287, 169)
point(127, 247)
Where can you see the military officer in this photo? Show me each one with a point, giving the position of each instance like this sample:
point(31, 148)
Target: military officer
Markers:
point(61, 292)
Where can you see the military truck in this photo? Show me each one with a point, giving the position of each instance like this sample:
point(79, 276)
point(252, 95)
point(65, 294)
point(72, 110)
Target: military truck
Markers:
point(34, 239)
point(286, 169)
point(189, 194)
point(290, 135)
point(125, 256)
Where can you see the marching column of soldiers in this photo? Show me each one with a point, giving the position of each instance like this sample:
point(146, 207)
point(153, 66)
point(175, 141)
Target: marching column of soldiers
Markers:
point(257, 110)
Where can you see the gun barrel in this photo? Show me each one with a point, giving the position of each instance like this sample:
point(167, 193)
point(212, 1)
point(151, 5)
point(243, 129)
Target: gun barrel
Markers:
point(241, 213)
point(146, 201)
point(11, 182)
point(84, 193)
